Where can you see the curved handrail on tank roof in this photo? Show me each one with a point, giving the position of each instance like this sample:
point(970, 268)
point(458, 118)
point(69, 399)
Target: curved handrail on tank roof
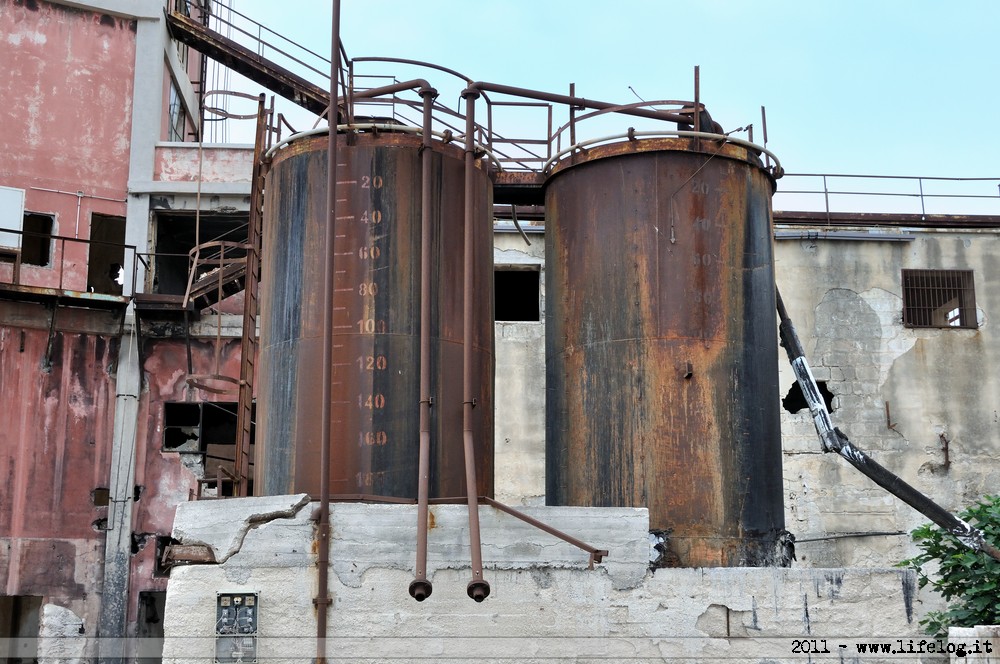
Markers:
point(418, 63)
point(685, 107)
point(777, 171)
point(446, 137)
point(366, 95)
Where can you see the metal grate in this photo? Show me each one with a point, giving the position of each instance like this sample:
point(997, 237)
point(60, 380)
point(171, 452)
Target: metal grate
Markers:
point(939, 298)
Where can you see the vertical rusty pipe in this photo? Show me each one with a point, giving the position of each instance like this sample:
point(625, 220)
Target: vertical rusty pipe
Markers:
point(763, 126)
point(478, 589)
point(572, 116)
point(420, 587)
point(322, 600)
point(697, 105)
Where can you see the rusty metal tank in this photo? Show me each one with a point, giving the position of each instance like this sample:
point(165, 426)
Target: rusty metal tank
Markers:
point(376, 372)
point(661, 344)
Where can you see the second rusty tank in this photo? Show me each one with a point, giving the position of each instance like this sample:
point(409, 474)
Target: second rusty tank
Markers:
point(376, 307)
point(661, 344)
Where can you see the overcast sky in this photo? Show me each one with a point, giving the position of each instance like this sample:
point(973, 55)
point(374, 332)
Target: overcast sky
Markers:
point(883, 87)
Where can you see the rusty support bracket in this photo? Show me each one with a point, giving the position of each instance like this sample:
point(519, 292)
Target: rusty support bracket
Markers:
point(888, 418)
point(596, 555)
point(187, 554)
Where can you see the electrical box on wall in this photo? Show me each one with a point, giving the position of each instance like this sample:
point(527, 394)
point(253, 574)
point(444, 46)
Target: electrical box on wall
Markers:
point(236, 628)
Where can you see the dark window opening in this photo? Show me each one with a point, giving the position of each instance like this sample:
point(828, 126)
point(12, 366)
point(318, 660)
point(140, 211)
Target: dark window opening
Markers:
point(100, 497)
point(939, 298)
point(177, 235)
point(36, 243)
point(516, 294)
point(795, 401)
point(106, 264)
point(149, 629)
point(19, 616)
point(182, 427)
point(208, 429)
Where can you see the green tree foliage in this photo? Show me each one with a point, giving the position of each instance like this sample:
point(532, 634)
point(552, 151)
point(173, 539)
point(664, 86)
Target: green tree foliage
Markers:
point(969, 580)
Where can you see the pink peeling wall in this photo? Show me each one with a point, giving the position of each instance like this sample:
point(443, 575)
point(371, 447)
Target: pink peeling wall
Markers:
point(165, 479)
point(66, 115)
point(55, 448)
point(176, 163)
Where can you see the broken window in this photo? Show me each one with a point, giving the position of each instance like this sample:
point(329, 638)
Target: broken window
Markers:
point(939, 298)
point(516, 294)
point(106, 265)
point(207, 431)
point(36, 244)
point(177, 234)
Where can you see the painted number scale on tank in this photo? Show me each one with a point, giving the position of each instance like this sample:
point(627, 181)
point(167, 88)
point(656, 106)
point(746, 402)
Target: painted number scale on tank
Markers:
point(706, 226)
point(362, 257)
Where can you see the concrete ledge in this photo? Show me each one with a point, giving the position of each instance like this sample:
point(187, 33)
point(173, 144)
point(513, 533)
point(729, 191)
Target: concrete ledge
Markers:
point(223, 525)
point(544, 605)
point(384, 536)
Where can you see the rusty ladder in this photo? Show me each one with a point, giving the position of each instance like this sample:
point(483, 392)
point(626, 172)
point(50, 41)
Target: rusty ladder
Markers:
point(248, 344)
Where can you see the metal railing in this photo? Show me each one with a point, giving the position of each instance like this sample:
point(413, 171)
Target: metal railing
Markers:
point(68, 266)
point(519, 132)
point(832, 193)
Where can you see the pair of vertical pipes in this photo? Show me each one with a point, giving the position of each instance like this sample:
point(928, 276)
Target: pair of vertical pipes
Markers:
point(420, 588)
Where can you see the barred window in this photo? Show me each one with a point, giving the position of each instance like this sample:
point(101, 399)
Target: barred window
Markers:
point(939, 298)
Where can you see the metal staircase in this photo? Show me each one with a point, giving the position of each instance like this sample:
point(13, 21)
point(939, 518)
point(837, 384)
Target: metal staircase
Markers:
point(245, 61)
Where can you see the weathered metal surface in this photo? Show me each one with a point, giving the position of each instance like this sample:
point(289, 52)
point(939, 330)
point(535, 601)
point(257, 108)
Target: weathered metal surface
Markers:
point(376, 328)
point(661, 345)
point(55, 434)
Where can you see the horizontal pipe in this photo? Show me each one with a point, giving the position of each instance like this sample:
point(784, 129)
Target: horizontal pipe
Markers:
point(578, 101)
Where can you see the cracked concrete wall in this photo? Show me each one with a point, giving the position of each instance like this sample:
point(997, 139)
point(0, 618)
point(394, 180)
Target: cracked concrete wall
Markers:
point(59, 633)
point(901, 394)
point(544, 604)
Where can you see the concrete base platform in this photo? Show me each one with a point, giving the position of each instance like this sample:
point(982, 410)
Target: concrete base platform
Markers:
point(545, 604)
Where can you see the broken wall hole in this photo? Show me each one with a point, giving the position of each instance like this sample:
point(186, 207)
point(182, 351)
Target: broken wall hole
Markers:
point(160, 569)
point(795, 401)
